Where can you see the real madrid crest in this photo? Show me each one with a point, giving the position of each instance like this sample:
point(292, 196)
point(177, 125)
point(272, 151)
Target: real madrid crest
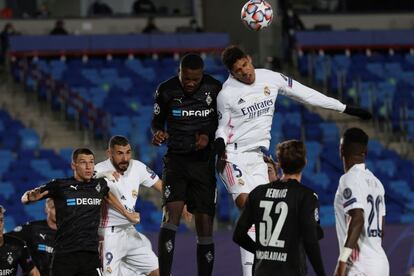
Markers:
point(241, 181)
point(134, 193)
point(209, 100)
point(266, 90)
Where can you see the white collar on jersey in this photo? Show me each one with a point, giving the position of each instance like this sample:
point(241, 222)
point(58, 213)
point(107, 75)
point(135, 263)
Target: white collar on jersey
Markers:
point(360, 166)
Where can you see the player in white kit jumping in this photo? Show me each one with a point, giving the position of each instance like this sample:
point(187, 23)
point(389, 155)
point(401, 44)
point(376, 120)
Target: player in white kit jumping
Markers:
point(246, 106)
point(125, 251)
point(359, 212)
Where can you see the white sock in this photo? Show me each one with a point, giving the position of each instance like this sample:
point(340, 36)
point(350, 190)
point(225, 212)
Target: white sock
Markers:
point(247, 258)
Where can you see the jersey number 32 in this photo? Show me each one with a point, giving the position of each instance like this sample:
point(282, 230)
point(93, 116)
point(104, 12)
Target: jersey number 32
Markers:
point(269, 235)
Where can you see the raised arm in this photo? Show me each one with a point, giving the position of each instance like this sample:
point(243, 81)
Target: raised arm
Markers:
point(34, 195)
point(304, 94)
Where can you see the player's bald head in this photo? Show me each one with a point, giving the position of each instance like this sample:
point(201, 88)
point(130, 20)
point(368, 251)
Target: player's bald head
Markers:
point(354, 142)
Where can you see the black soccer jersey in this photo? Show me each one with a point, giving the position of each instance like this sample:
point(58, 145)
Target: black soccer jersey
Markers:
point(14, 252)
point(78, 210)
point(40, 239)
point(186, 114)
point(285, 214)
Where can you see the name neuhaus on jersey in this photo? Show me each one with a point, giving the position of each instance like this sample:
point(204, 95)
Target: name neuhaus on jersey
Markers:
point(258, 109)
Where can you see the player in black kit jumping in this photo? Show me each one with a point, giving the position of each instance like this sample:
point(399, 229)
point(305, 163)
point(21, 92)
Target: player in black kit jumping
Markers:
point(78, 208)
point(185, 118)
point(285, 214)
point(14, 252)
point(40, 238)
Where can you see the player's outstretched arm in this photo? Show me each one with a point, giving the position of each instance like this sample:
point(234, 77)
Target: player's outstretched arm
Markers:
point(307, 95)
point(133, 217)
point(354, 231)
point(33, 195)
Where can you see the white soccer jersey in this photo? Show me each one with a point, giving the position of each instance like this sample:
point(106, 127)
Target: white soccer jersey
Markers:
point(360, 189)
point(126, 189)
point(245, 111)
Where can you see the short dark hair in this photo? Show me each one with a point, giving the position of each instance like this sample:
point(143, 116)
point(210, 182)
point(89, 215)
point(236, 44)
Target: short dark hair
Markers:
point(231, 55)
point(192, 61)
point(354, 141)
point(118, 140)
point(80, 151)
point(291, 155)
point(269, 160)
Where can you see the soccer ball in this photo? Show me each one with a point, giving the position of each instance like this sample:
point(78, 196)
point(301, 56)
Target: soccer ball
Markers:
point(257, 14)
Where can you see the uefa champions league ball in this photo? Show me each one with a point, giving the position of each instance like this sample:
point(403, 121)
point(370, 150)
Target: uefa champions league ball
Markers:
point(257, 14)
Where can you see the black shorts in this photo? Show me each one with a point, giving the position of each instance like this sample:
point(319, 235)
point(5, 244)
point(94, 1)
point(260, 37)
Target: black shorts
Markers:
point(79, 263)
point(192, 180)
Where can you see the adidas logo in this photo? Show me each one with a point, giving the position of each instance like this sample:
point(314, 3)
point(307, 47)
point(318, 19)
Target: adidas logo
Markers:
point(240, 101)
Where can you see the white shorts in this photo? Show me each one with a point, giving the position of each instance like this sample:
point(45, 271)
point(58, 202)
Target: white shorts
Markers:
point(380, 267)
point(124, 249)
point(244, 171)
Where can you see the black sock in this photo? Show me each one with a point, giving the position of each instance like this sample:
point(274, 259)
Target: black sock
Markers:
point(205, 256)
point(166, 246)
